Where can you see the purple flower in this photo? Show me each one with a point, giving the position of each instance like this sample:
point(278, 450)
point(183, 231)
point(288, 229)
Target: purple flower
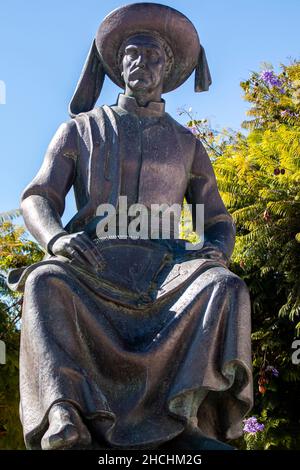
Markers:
point(287, 112)
point(272, 370)
point(252, 425)
point(270, 79)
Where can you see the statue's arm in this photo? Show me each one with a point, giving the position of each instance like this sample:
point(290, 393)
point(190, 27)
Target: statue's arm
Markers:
point(219, 228)
point(43, 200)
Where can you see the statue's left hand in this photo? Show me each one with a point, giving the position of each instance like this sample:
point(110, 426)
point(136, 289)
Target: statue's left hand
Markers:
point(77, 246)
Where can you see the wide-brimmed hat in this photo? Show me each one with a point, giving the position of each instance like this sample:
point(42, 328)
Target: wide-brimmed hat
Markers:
point(176, 32)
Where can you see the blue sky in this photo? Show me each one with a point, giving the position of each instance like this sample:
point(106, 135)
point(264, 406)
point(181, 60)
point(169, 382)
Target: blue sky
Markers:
point(43, 46)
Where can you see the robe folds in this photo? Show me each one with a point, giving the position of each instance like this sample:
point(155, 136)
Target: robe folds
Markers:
point(161, 335)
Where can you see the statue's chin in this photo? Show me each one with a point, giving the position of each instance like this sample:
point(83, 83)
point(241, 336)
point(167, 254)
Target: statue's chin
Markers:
point(139, 84)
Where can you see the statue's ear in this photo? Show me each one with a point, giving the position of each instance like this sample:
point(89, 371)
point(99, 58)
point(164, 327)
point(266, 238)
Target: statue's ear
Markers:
point(89, 85)
point(202, 73)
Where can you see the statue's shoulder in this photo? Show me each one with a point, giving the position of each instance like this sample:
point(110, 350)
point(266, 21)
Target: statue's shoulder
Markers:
point(86, 123)
point(97, 114)
point(98, 111)
point(66, 128)
point(180, 128)
point(64, 139)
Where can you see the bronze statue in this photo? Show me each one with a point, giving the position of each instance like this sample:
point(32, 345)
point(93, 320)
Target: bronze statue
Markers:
point(131, 343)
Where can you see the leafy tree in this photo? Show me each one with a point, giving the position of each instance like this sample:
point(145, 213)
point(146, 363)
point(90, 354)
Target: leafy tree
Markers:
point(258, 175)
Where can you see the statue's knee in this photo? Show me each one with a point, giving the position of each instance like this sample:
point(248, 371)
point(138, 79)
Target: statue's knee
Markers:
point(41, 277)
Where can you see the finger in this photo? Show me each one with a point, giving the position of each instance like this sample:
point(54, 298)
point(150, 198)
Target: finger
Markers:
point(93, 249)
point(74, 253)
point(83, 236)
point(65, 251)
point(85, 248)
point(87, 240)
point(89, 254)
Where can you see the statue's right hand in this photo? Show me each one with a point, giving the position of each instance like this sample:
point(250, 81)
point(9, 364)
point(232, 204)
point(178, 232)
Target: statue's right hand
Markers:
point(77, 246)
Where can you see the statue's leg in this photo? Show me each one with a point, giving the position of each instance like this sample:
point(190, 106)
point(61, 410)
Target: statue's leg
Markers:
point(66, 429)
point(221, 358)
point(52, 360)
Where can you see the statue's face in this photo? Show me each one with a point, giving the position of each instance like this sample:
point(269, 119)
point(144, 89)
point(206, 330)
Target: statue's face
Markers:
point(143, 63)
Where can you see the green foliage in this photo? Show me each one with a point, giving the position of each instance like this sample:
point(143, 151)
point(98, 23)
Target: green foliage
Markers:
point(5, 216)
point(258, 176)
point(10, 429)
point(275, 99)
point(186, 225)
point(15, 251)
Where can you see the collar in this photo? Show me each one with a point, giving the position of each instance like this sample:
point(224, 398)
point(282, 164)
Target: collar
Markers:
point(153, 109)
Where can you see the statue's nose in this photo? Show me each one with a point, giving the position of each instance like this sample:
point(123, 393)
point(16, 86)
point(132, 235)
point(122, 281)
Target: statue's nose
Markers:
point(140, 61)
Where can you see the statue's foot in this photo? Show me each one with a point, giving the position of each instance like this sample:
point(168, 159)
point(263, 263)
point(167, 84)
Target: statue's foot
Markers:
point(192, 439)
point(66, 429)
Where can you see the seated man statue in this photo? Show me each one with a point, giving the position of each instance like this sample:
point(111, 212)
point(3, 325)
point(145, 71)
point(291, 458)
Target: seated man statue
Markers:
point(127, 342)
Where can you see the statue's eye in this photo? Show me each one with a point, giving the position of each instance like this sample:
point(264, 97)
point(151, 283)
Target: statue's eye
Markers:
point(132, 53)
point(152, 55)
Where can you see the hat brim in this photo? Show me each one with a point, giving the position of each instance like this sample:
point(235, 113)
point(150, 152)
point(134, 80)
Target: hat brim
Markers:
point(175, 28)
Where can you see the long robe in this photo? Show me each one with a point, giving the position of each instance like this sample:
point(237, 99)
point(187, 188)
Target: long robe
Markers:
point(162, 336)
